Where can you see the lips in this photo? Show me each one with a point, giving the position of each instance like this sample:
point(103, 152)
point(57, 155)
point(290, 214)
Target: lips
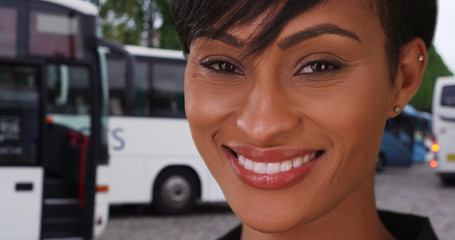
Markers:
point(271, 169)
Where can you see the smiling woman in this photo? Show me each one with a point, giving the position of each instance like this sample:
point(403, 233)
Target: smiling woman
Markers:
point(287, 103)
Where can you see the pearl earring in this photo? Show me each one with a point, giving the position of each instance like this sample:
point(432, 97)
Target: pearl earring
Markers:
point(396, 109)
point(421, 57)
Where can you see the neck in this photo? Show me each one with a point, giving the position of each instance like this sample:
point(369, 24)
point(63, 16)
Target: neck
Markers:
point(354, 218)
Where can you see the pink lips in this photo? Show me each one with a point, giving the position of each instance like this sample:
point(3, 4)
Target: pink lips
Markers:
point(271, 169)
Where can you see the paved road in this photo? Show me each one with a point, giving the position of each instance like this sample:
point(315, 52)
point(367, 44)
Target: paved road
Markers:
point(207, 222)
point(412, 190)
point(418, 190)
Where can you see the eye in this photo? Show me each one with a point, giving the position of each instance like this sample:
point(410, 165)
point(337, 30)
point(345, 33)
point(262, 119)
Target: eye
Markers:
point(221, 66)
point(319, 66)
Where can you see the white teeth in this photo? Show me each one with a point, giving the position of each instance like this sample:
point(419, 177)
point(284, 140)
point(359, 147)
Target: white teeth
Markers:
point(259, 167)
point(242, 160)
point(274, 167)
point(286, 166)
point(297, 162)
point(249, 164)
point(306, 159)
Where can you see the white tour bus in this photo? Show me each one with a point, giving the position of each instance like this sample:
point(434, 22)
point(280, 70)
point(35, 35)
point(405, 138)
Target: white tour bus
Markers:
point(444, 127)
point(53, 121)
point(152, 155)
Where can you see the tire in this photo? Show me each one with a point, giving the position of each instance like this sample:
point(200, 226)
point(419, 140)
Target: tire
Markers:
point(448, 180)
point(380, 163)
point(175, 191)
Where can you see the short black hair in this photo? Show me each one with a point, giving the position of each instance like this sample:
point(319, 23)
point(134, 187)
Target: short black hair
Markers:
point(401, 20)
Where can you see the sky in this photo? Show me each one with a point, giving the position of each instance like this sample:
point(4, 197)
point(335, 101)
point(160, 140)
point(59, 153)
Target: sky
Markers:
point(444, 40)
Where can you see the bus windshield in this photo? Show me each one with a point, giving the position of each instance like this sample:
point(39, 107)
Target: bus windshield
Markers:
point(55, 35)
point(8, 34)
point(448, 96)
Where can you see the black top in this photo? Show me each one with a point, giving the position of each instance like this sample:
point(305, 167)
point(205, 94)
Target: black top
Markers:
point(402, 227)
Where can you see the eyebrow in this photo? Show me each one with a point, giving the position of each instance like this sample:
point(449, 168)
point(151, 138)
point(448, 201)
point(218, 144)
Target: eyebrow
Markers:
point(229, 40)
point(289, 41)
point(315, 32)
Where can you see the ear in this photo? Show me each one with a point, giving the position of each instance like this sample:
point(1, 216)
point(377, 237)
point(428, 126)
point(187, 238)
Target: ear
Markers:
point(411, 66)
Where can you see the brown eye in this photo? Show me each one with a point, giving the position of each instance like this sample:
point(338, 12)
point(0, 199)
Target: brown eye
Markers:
point(221, 66)
point(224, 67)
point(318, 66)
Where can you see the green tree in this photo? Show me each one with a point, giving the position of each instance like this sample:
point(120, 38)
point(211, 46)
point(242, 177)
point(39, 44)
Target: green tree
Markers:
point(435, 68)
point(122, 21)
point(169, 38)
point(132, 22)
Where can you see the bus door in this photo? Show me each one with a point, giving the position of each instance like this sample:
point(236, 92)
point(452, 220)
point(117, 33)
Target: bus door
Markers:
point(49, 122)
point(21, 175)
point(69, 175)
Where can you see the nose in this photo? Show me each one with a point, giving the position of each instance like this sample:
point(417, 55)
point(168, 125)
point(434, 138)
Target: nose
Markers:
point(267, 114)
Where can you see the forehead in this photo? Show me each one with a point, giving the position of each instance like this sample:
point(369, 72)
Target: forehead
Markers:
point(260, 32)
point(359, 14)
point(350, 15)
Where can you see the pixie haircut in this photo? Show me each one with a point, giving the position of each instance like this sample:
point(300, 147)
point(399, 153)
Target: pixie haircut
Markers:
point(401, 20)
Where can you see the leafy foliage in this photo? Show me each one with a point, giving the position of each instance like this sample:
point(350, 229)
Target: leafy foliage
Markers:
point(435, 68)
point(122, 21)
point(169, 37)
point(132, 22)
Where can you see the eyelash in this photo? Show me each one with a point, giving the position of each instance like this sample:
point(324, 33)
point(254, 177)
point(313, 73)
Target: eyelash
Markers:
point(220, 66)
point(317, 66)
point(320, 66)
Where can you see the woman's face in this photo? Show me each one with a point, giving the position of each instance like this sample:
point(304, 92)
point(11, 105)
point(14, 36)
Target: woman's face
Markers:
point(292, 132)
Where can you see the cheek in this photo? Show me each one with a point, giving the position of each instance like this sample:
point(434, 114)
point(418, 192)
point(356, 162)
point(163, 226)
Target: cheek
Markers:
point(208, 109)
point(204, 109)
point(209, 104)
point(355, 119)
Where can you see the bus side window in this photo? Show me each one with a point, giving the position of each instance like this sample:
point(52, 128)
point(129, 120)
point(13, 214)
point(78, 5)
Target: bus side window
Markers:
point(167, 90)
point(116, 76)
point(141, 106)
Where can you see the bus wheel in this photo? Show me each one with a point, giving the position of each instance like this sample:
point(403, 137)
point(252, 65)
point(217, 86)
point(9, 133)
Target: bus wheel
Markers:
point(175, 191)
point(380, 163)
point(448, 180)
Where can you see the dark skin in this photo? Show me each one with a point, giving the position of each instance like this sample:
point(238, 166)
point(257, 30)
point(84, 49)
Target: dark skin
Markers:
point(322, 90)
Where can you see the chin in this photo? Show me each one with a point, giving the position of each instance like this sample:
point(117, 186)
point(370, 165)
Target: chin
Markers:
point(272, 216)
point(277, 224)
